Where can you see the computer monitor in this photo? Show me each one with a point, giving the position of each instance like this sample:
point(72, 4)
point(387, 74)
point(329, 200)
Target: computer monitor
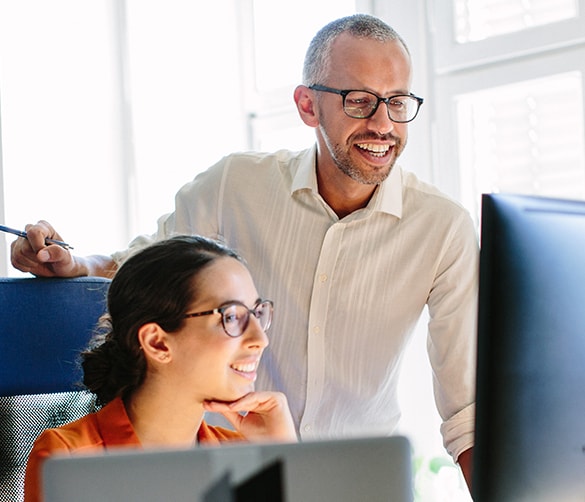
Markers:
point(530, 415)
point(348, 470)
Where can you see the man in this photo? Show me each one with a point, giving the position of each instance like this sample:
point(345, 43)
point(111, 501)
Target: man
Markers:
point(348, 245)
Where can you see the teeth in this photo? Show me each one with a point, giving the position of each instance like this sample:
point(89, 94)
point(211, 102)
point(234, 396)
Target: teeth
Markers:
point(374, 149)
point(245, 368)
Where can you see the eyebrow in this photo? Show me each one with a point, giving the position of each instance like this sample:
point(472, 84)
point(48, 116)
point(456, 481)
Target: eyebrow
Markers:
point(230, 302)
point(399, 92)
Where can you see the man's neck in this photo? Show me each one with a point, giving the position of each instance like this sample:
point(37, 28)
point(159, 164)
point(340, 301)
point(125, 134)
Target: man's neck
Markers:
point(344, 195)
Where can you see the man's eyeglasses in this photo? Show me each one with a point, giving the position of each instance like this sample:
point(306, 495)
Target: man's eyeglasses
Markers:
point(363, 104)
point(236, 316)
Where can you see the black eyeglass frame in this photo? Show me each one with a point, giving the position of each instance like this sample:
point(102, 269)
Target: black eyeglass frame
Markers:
point(344, 92)
point(253, 311)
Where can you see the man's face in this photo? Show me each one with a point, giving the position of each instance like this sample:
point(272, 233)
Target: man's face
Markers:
point(362, 149)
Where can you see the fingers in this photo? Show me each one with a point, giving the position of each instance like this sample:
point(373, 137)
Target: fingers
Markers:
point(38, 234)
point(51, 261)
point(253, 401)
point(22, 255)
point(266, 416)
point(34, 256)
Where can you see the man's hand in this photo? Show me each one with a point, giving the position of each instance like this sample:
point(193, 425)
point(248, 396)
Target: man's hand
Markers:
point(465, 461)
point(33, 255)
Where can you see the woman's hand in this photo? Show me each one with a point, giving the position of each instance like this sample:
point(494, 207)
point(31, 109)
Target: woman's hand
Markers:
point(259, 416)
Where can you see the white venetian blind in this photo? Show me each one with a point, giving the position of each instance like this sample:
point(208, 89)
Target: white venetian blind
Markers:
point(526, 137)
point(480, 19)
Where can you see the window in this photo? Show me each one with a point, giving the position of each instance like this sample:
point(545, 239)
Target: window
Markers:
point(469, 33)
point(480, 19)
point(510, 118)
point(108, 107)
point(60, 116)
point(507, 99)
point(277, 67)
point(184, 69)
point(524, 137)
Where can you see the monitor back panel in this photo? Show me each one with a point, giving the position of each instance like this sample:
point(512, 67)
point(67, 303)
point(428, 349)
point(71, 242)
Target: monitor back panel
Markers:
point(372, 469)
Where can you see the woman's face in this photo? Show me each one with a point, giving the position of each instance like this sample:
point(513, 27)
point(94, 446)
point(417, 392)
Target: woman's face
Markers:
point(208, 362)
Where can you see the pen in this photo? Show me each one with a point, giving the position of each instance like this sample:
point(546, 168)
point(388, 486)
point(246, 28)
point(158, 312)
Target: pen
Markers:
point(20, 233)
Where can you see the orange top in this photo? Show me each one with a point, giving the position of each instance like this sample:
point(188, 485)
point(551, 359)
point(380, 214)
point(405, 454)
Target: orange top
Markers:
point(107, 428)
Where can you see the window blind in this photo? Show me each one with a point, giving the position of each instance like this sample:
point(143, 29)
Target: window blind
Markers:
point(479, 19)
point(526, 137)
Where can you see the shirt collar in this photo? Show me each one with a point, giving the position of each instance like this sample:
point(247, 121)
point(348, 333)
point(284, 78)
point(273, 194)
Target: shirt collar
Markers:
point(115, 426)
point(305, 176)
point(386, 199)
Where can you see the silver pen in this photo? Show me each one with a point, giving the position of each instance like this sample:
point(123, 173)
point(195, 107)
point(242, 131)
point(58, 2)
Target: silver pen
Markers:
point(20, 233)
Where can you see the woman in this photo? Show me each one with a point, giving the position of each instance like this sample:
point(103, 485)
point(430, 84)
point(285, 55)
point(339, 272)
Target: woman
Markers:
point(184, 334)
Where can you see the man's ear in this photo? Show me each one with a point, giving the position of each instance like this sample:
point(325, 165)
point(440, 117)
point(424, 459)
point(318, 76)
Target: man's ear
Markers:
point(305, 101)
point(153, 340)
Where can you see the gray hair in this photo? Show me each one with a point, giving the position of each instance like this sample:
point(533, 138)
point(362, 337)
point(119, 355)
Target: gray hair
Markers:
point(357, 25)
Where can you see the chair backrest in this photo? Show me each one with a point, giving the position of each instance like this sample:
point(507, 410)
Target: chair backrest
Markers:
point(44, 323)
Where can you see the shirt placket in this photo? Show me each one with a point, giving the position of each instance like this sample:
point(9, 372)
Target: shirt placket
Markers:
point(316, 345)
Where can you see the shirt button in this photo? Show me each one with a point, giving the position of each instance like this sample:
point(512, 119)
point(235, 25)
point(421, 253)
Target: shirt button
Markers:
point(307, 428)
point(316, 330)
point(323, 277)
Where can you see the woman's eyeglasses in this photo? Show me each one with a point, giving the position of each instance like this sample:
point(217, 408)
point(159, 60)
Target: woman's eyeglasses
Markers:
point(236, 316)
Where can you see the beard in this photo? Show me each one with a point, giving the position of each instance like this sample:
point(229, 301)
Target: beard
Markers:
point(373, 176)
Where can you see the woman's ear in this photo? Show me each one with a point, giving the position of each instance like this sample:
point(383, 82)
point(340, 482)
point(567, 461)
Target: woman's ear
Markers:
point(304, 99)
point(153, 341)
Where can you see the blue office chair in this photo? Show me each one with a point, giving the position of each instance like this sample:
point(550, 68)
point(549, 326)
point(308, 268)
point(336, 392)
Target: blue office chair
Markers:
point(44, 323)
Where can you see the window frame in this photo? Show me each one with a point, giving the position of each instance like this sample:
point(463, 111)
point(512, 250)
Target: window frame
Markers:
point(505, 62)
point(451, 56)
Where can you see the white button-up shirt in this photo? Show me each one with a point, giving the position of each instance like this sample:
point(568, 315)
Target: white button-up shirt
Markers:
point(348, 292)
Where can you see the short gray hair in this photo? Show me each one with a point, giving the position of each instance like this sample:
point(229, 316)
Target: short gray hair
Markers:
point(357, 25)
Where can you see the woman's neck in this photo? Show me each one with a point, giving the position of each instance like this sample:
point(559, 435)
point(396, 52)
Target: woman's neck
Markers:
point(162, 419)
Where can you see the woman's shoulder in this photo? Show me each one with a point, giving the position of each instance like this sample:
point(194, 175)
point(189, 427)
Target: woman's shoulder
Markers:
point(75, 435)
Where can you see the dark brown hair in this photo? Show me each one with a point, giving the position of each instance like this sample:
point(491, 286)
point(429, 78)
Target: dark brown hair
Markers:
point(155, 285)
